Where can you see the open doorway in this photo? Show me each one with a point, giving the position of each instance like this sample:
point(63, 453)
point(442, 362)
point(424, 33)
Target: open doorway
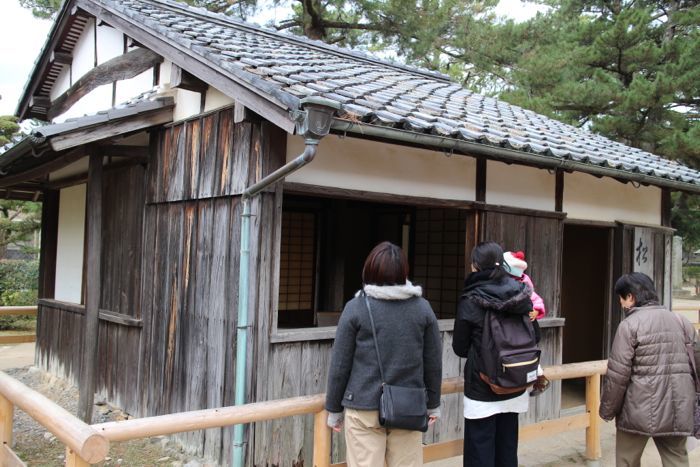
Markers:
point(585, 300)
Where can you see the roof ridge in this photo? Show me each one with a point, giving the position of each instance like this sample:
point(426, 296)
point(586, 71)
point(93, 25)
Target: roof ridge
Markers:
point(302, 40)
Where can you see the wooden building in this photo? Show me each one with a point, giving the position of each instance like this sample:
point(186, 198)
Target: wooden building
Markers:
point(142, 210)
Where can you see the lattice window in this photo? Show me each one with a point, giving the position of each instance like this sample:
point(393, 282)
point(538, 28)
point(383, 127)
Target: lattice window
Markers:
point(439, 257)
point(297, 261)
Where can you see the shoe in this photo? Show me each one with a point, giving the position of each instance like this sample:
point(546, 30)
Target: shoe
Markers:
point(540, 386)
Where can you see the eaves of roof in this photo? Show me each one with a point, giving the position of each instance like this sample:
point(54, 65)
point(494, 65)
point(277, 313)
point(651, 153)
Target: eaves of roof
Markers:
point(271, 72)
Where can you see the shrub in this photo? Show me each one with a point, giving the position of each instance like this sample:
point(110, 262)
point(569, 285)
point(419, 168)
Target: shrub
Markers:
point(18, 287)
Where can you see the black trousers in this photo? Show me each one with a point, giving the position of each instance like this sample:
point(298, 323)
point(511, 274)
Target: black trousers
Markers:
point(491, 441)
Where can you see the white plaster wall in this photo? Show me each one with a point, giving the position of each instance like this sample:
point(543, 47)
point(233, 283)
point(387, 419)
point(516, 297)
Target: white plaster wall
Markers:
point(216, 99)
point(84, 51)
point(606, 199)
point(110, 43)
point(130, 88)
point(519, 186)
point(71, 234)
point(98, 99)
point(187, 104)
point(379, 167)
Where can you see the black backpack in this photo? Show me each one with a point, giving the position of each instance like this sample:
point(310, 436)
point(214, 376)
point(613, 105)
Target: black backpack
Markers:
point(509, 352)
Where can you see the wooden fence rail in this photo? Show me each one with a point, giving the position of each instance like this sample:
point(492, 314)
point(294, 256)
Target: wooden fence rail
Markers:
point(84, 445)
point(18, 311)
point(89, 444)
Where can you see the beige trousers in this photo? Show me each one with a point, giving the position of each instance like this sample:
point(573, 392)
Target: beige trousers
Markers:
point(629, 448)
point(371, 445)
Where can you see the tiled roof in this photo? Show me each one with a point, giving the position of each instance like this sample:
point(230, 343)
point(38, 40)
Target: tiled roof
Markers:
point(378, 92)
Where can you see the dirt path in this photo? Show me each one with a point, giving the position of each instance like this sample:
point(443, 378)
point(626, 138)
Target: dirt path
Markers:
point(37, 447)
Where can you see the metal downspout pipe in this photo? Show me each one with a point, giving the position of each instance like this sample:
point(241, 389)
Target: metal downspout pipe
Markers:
point(314, 123)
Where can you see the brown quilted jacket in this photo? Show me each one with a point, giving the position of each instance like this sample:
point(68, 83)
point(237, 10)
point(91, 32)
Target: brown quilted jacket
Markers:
point(649, 389)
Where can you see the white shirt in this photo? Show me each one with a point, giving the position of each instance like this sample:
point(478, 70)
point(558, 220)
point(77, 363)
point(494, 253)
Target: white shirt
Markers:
point(480, 409)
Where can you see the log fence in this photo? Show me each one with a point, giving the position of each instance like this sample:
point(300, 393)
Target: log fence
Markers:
point(18, 311)
point(88, 444)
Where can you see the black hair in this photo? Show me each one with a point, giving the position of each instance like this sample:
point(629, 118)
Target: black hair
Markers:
point(489, 255)
point(640, 286)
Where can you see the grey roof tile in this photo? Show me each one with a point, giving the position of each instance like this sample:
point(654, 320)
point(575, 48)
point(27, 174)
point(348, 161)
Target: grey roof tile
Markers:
point(379, 92)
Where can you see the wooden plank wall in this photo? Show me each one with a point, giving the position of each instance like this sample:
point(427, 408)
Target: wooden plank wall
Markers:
point(541, 238)
point(190, 274)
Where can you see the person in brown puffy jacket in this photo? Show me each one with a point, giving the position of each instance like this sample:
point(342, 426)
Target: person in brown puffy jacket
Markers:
point(649, 388)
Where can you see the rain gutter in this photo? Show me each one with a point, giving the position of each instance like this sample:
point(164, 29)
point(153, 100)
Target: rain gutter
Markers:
point(313, 121)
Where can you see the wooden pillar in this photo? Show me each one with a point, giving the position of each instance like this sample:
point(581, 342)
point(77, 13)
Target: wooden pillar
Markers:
point(88, 369)
point(6, 414)
point(322, 440)
point(49, 242)
point(559, 191)
point(74, 460)
point(593, 451)
point(481, 179)
point(666, 206)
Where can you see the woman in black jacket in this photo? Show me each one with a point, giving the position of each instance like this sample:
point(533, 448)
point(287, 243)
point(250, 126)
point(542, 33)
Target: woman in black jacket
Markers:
point(490, 419)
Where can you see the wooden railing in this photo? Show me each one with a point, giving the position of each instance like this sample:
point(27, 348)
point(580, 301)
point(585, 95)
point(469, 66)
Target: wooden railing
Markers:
point(87, 444)
point(84, 445)
point(694, 308)
point(18, 311)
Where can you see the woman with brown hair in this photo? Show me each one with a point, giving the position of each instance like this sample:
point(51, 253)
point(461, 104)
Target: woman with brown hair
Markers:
point(408, 341)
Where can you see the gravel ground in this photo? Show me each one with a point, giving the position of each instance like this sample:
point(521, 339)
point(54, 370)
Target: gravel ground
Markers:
point(37, 447)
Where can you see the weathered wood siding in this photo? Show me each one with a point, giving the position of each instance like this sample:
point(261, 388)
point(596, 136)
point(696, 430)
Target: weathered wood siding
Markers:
point(541, 238)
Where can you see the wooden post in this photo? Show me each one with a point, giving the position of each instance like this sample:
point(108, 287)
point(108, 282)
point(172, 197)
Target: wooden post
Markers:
point(322, 440)
point(6, 415)
point(74, 460)
point(88, 370)
point(593, 451)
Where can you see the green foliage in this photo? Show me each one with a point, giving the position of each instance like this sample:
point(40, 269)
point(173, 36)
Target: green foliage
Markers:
point(18, 287)
point(18, 222)
point(8, 128)
point(42, 8)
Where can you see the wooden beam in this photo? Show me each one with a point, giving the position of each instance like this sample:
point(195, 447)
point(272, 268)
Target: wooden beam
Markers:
point(322, 440)
point(559, 191)
point(59, 162)
point(19, 339)
point(115, 150)
point(88, 372)
point(18, 310)
point(125, 66)
point(64, 58)
point(110, 129)
point(549, 428)
point(49, 243)
point(41, 101)
point(666, 206)
point(182, 79)
point(481, 164)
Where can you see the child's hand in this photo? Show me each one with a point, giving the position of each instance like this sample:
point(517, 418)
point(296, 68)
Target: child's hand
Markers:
point(532, 315)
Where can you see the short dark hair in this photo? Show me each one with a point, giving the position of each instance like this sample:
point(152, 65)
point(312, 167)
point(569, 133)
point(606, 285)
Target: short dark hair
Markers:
point(640, 286)
point(386, 264)
point(489, 255)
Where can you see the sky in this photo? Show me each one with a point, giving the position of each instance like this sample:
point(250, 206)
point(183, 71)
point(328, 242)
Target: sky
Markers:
point(22, 37)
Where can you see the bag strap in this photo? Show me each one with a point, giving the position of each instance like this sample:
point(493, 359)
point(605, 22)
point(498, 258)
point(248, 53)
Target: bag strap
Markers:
point(374, 336)
point(688, 349)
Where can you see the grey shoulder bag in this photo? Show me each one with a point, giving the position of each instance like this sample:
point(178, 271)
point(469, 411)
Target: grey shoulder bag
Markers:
point(399, 406)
